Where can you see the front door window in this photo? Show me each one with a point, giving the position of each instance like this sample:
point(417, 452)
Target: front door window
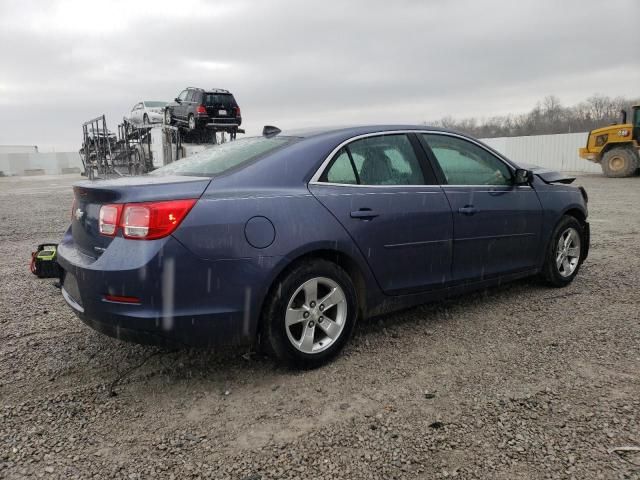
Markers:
point(464, 163)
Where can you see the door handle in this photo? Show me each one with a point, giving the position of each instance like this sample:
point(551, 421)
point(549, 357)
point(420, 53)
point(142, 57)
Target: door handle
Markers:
point(364, 214)
point(467, 210)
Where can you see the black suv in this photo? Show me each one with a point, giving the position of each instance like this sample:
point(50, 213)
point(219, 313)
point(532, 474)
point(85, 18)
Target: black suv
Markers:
point(196, 108)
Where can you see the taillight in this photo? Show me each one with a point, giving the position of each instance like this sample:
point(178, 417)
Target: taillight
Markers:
point(144, 221)
point(237, 111)
point(73, 209)
point(148, 221)
point(109, 216)
point(201, 109)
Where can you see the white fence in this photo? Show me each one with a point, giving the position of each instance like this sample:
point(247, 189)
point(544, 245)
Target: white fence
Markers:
point(557, 152)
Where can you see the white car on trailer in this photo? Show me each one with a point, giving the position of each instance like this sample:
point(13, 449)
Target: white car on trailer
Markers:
point(147, 112)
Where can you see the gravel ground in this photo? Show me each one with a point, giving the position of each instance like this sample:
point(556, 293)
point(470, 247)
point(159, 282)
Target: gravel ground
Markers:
point(521, 381)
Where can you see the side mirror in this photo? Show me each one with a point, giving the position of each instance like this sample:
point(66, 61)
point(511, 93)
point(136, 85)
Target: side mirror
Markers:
point(522, 177)
point(177, 100)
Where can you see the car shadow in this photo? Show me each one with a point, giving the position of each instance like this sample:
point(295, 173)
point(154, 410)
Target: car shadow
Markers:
point(124, 363)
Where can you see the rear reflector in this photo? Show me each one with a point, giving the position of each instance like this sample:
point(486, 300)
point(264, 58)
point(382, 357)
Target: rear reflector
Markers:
point(144, 221)
point(121, 299)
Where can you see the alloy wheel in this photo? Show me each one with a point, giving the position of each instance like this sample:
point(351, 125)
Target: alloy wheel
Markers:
point(316, 315)
point(568, 252)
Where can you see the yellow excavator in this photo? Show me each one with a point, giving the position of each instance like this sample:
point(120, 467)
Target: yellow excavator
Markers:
point(616, 147)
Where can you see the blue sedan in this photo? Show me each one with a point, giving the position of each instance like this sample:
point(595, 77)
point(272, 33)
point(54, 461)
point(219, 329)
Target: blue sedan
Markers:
point(289, 238)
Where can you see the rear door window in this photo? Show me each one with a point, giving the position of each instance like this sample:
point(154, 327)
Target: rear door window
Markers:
point(377, 160)
point(342, 170)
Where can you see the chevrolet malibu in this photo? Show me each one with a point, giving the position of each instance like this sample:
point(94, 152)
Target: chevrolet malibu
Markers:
point(288, 239)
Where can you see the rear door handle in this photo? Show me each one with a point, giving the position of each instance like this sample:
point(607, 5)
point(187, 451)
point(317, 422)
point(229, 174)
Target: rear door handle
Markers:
point(467, 210)
point(364, 214)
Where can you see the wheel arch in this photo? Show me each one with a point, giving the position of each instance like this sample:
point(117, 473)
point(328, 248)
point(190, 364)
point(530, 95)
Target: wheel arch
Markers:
point(577, 213)
point(580, 215)
point(338, 257)
point(612, 145)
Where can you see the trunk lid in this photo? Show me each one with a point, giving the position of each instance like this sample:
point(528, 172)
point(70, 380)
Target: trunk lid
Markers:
point(89, 196)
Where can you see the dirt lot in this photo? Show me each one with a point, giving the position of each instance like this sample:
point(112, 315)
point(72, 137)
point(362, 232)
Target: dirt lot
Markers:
point(516, 382)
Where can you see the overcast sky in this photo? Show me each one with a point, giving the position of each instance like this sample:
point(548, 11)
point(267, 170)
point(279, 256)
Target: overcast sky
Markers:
point(303, 63)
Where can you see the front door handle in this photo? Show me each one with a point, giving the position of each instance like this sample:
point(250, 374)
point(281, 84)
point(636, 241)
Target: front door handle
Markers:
point(467, 210)
point(364, 214)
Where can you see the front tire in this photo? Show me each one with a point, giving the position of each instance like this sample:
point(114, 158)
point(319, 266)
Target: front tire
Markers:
point(565, 252)
point(619, 162)
point(168, 118)
point(310, 315)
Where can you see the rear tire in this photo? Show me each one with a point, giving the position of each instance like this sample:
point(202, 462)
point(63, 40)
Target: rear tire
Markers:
point(619, 162)
point(302, 326)
point(191, 123)
point(565, 252)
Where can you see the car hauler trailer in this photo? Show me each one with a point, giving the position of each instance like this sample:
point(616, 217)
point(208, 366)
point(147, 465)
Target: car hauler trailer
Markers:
point(138, 149)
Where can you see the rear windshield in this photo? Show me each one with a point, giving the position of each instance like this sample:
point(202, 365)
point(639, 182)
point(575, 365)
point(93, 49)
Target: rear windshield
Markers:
point(155, 104)
point(219, 99)
point(221, 158)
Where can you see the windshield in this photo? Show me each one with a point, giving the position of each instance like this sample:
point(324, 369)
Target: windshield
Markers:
point(155, 104)
point(221, 158)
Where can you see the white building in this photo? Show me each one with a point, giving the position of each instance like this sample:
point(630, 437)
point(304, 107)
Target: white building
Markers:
point(27, 160)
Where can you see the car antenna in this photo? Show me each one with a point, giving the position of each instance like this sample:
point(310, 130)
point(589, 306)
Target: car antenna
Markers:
point(270, 131)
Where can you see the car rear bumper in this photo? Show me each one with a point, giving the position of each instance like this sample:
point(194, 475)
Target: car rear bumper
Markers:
point(175, 330)
point(182, 299)
point(221, 122)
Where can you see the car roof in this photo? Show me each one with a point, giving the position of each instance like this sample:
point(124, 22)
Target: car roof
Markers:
point(209, 90)
point(354, 130)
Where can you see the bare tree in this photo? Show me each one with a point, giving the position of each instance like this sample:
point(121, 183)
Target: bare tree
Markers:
point(549, 116)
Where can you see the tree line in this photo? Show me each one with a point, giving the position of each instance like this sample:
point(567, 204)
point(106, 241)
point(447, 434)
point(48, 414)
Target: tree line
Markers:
point(549, 116)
